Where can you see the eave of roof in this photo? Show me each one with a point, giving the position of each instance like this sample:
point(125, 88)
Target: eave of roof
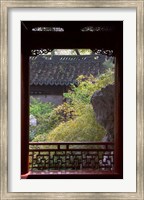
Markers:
point(63, 70)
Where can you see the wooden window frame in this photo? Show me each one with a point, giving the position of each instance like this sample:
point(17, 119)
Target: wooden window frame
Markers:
point(26, 47)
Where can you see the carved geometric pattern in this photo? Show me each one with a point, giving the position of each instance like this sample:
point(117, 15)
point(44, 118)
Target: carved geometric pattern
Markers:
point(68, 156)
point(49, 29)
point(97, 29)
point(107, 52)
point(35, 52)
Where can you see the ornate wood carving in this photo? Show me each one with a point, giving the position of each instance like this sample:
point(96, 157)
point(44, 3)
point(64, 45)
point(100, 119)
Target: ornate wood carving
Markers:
point(71, 156)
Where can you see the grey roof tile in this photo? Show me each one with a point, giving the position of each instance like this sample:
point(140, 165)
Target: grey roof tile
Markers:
point(63, 70)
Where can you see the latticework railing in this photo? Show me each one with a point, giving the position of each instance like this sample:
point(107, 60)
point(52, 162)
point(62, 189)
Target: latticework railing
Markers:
point(71, 156)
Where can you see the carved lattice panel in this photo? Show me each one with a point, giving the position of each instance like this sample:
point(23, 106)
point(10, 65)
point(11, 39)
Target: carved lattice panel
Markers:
point(73, 158)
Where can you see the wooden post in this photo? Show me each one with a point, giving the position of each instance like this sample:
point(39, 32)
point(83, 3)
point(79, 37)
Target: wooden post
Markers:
point(24, 111)
point(118, 118)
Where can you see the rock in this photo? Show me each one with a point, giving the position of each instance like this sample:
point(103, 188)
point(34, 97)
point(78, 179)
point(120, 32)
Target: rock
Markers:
point(103, 105)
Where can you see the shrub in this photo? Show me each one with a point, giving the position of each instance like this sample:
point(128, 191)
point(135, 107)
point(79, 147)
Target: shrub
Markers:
point(80, 95)
point(82, 128)
point(38, 108)
point(41, 111)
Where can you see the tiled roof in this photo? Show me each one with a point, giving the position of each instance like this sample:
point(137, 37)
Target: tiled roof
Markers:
point(63, 70)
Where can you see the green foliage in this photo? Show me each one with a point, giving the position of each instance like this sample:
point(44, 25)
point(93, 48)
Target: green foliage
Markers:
point(80, 95)
point(88, 85)
point(41, 111)
point(85, 51)
point(75, 119)
point(71, 51)
point(65, 112)
point(38, 108)
point(82, 128)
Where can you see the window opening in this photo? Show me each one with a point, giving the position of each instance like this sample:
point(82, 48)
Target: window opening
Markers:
point(72, 110)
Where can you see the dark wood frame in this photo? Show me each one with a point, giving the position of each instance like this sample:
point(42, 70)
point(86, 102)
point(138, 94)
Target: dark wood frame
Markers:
point(73, 39)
